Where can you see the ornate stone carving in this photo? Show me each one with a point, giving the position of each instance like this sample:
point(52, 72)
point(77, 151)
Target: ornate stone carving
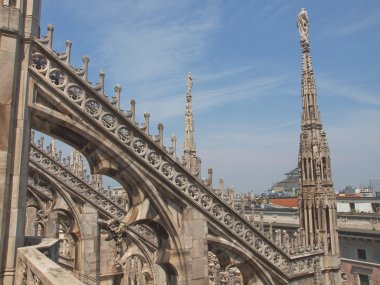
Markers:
point(75, 183)
point(139, 142)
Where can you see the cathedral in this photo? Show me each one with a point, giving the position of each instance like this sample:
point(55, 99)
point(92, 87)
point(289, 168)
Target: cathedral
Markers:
point(165, 224)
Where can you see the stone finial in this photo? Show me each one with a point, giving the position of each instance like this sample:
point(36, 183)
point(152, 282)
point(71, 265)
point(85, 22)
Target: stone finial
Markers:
point(133, 111)
point(53, 147)
point(278, 237)
point(101, 81)
point(68, 51)
point(261, 221)
point(221, 185)
point(159, 137)
point(85, 60)
point(210, 178)
point(271, 231)
point(174, 146)
point(50, 29)
point(145, 126)
point(32, 133)
point(116, 98)
point(40, 143)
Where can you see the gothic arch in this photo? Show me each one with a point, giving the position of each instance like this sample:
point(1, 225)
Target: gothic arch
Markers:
point(253, 270)
point(101, 155)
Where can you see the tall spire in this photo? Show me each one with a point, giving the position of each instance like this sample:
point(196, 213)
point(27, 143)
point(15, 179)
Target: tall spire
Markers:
point(190, 159)
point(189, 144)
point(317, 201)
point(310, 113)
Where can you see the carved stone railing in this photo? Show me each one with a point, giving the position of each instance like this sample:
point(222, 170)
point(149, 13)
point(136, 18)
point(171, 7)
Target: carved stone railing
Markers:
point(42, 160)
point(35, 266)
point(72, 87)
point(103, 203)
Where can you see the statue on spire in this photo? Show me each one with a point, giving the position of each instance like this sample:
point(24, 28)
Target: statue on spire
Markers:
point(303, 25)
point(189, 84)
point(317, 202)
point(190, 159)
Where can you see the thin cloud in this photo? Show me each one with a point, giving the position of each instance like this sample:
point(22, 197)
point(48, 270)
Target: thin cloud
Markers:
point(140, 49)
point(355, 26)
point(172, 106)
point(350, 92)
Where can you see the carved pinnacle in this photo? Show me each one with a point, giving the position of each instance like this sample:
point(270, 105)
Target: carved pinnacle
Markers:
point(210, 178)
point(133, 111)
point(159, 138)
point(85, 60)
point(50, 29)
point(174, 145)
point(68, 51)
point(116, 98)
point(101, 79)
point(32, 132)
point(146, 124)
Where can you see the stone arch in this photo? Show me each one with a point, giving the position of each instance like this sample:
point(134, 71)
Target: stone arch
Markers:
point(254, 270)
point(109, 157)
point(72, 231)
point(74, 212)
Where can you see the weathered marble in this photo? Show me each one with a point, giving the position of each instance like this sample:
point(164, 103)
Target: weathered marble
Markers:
point(177, 228)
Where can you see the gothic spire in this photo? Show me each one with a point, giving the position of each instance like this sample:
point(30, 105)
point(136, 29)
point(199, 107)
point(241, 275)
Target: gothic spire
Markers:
point(316, 197)
point(189, 144)
point(310, 112)
point(190, 159)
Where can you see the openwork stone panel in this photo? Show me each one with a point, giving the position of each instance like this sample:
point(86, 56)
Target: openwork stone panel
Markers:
point(94, 106)
point(146, 233)
point(81, 188)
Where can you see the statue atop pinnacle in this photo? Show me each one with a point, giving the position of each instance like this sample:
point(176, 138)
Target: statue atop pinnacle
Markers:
point(303, 25)
point(190, 159)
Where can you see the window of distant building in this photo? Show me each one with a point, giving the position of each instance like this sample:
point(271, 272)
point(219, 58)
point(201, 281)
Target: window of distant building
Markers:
point(362, 254)
point(364, 280)
point(352, 206)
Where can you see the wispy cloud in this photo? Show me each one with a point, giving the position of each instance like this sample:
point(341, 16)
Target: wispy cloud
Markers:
point(172, 106)
point(351, 92)
point(153, 43)
point(355, 26)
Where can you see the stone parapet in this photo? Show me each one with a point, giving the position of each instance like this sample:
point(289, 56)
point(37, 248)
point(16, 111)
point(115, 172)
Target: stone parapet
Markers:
point(34, 266)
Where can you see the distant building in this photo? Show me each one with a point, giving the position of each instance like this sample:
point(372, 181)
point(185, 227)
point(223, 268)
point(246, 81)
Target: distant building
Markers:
point(375, 185)
point(287, 187)
point(346, 203)
point(356, 204)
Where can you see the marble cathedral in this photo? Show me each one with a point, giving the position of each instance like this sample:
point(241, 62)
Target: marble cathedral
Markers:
point(59, 225)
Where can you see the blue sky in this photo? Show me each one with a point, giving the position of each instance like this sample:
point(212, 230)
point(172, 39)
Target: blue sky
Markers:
point(245, 59)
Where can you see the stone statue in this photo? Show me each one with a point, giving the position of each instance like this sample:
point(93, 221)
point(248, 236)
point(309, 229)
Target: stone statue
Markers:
point(303, 24)
point(189, 83)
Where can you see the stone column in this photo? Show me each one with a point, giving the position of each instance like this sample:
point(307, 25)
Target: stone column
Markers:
point(196, 242)
point(52, 226)
point(30, 226)
point(89, 244)
point(356, 278)
point(19, 24)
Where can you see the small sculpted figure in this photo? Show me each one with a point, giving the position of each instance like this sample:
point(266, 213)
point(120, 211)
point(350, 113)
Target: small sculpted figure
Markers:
point(189, 82)
point(303, 24)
